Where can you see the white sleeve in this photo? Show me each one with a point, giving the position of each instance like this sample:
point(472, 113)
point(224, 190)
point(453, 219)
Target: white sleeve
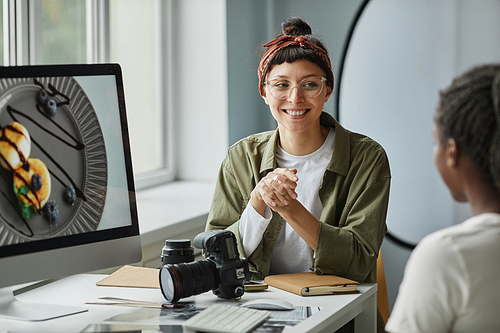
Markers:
point(252, 227)
point(433, 291)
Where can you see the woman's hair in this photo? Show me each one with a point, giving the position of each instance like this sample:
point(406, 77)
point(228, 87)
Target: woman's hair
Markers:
point(296, 27)
point(469, 112)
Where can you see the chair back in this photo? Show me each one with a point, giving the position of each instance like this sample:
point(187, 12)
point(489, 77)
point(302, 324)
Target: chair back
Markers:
point(382, 299)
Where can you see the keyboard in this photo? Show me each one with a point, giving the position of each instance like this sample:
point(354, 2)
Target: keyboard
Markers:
point(225, 318)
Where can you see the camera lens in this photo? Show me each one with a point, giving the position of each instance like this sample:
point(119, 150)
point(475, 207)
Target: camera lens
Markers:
point(176, 251)
point(187, 279)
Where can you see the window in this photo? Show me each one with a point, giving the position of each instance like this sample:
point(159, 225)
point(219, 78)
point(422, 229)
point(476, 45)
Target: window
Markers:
point(129, 32)
point(58, 32)
point(1, 35)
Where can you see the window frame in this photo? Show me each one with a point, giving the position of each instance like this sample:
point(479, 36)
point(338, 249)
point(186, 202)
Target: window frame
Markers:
point(22, 19)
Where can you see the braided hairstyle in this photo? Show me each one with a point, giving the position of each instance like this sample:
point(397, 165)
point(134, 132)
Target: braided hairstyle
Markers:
point(469, 112)
point(296, 27)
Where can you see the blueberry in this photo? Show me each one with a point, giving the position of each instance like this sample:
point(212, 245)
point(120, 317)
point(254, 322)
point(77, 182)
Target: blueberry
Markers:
point(36, 182)
point(70, 195)
point(43, 96)
point(51, 107)
point(52, 211)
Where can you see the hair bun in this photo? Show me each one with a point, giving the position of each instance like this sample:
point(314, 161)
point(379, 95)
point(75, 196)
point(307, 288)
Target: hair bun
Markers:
point(295, 26)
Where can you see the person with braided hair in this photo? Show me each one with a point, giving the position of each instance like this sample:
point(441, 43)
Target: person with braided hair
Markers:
point(311, 195)
point(449, 283)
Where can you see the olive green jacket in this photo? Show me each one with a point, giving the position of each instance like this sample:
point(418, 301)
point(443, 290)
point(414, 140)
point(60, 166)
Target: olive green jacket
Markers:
point(354, 193)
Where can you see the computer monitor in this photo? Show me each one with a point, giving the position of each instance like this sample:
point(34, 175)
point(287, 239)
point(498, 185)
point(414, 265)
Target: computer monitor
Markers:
point(67, 197)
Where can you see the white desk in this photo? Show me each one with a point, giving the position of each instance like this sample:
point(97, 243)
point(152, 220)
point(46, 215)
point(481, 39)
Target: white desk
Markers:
point(79, 289)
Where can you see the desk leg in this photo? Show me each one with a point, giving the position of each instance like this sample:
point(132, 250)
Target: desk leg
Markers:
point(366, 321)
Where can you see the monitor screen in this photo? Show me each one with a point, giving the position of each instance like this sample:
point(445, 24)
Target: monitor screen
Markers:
point(66, 180)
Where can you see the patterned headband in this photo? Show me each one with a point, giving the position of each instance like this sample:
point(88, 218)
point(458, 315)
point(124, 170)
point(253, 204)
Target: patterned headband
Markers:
point(279, 44)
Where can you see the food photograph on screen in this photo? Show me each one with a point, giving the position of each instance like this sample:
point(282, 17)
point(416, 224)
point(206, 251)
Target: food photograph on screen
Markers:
point(61, 157)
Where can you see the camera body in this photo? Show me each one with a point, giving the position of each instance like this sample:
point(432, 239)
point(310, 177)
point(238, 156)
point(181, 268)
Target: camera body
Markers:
point(222, 270)
point(220, 249)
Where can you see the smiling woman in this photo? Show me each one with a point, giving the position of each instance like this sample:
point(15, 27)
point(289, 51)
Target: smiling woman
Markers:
point(310, 195)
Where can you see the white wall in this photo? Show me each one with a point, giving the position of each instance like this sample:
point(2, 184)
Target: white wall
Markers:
point(130, 45)
point(199, 92)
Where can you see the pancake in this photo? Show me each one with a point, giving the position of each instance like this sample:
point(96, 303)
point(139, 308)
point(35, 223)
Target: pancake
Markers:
point(15, 146)
point(32, 200)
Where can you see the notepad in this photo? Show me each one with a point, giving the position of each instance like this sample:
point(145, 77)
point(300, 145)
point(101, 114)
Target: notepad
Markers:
point(309, 284)
point(132, 276)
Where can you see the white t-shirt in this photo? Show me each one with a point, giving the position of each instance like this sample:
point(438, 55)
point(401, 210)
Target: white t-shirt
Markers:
point(450, 282)
point(291, 253)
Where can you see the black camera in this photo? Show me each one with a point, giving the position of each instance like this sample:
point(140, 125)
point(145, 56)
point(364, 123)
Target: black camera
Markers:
point(222, 270)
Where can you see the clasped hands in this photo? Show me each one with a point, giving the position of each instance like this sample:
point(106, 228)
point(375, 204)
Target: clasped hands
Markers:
point(276, 190)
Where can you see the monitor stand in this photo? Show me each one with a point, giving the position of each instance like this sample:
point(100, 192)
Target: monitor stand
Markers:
point(12, 308)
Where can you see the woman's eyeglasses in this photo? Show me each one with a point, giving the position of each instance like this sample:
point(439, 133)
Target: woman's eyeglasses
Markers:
point(309, 87)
